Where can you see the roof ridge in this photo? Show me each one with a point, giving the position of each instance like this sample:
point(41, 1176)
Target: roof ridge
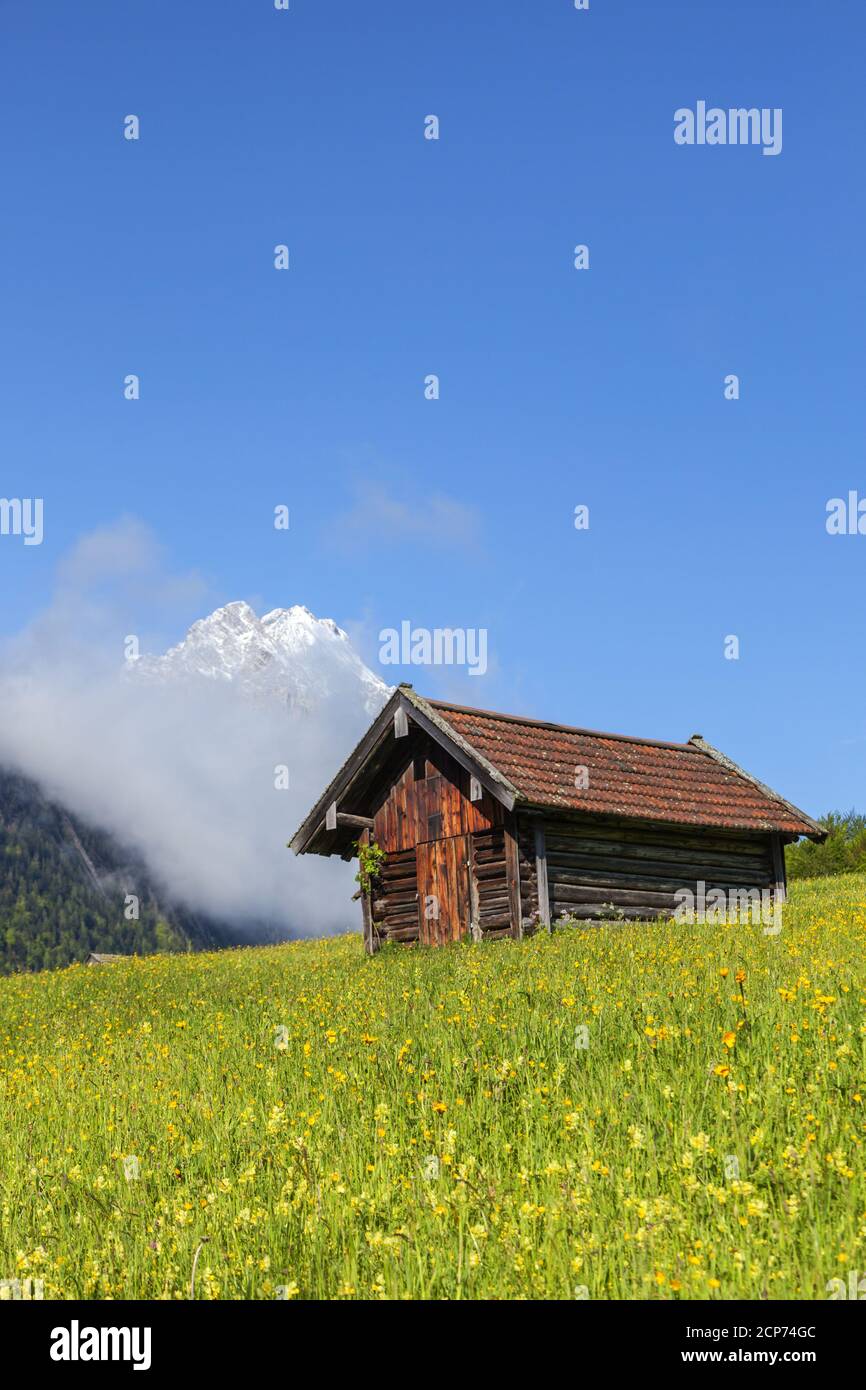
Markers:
point(687, 747)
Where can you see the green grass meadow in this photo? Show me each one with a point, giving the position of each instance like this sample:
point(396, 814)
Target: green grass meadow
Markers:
point(629, 1112)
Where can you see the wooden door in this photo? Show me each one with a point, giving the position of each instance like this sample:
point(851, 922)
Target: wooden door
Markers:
point(444, 896)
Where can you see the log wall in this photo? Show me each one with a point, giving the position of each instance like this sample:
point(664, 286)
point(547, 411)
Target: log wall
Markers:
point(528, 877)
point(600, 868)
point(394, 899)
point(488, 863)
point(596, 869)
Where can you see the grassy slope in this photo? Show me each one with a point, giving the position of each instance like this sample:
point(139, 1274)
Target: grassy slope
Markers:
point(305, 1158)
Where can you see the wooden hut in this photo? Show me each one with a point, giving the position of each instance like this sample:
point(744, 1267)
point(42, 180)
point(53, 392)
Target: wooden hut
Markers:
point(492, 824)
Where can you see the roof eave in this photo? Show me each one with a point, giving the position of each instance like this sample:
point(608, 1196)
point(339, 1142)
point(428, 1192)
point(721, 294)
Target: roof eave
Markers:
point(536, 807)
point(812, 830)
point(311, 824)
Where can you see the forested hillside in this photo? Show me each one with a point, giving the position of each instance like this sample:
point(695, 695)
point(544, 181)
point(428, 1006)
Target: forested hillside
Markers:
point(843, 851)
point(64, 887)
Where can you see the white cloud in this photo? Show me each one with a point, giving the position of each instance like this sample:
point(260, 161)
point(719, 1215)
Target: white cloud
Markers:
point(379, 518)
point(183, 772)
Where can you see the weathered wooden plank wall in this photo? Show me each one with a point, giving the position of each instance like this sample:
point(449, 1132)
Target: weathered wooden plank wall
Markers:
point(593, 865)
point(426, 804)
point(444, 900)
point(479, 896)
point(430, 800)
point(512, 875)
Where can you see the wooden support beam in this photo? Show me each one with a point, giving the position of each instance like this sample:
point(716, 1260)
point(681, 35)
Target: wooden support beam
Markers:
point(333, 818)
point(367, 916)
point(401, 722)
point(541, 873)
point(370, 943)
point(512, 875)
point(779, 874)
point(474, 902)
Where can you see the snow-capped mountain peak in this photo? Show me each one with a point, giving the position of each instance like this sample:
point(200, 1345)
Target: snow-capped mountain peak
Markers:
point(288, 654)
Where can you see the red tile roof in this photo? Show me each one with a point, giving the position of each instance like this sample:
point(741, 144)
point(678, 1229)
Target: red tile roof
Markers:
point(687, 783)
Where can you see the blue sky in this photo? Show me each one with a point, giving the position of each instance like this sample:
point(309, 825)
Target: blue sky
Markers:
point(409, 257)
